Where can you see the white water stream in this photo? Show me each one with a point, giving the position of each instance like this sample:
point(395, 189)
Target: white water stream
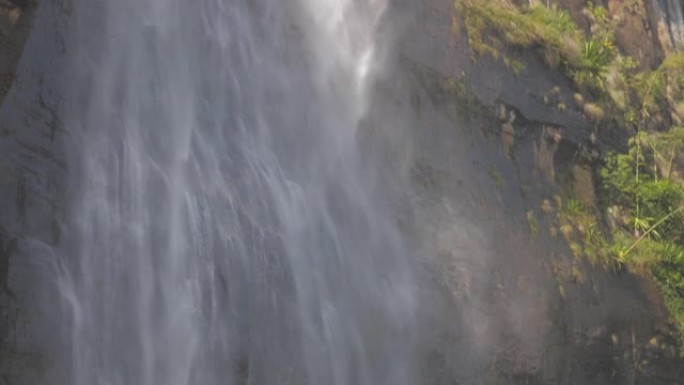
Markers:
point(223, 229)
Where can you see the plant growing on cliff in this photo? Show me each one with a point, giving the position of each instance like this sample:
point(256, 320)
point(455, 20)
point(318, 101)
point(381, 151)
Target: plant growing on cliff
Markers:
point(592, 62)
point(490, 24)
point(662, 89)
point(653, 237)
point(581, 229)
point(591, 73)
point(650, 231)
point(634, 182)
point(668, 273)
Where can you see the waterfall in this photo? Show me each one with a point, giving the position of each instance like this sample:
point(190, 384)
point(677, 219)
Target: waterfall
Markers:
point(675, 20)
point(222, 228)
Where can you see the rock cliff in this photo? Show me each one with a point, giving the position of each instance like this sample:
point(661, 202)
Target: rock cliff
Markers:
point(490, 154)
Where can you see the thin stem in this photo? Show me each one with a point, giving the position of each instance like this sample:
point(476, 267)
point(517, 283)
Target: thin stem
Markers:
point(673, 157)
point(638, 213)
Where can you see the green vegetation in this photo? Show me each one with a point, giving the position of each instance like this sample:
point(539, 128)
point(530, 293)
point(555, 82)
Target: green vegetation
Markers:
point(609, 81)
point(662, 89)
point(650, 234)
point(668, 272)
point(552, 33)
point(644, 203)
point(581, 229)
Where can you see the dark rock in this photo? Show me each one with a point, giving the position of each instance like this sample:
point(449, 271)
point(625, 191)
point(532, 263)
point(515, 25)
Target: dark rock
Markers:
point(8, 246)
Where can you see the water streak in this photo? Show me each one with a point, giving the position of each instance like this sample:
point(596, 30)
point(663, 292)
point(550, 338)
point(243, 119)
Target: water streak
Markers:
point(223, 229)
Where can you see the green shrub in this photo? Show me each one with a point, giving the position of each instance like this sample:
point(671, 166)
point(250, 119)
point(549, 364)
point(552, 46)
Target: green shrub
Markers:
point(673, 63)
point(666, 262)
point(597, 55)
point(491, 23)
point(551, 32)
point(573, 208)
point(653, 88)
point(558, 20)
point(657, 200)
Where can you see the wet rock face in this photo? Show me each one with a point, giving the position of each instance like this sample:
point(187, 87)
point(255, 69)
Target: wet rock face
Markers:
point(16, 17)
point(21, 3)
point(8, 246)
point(31, 173)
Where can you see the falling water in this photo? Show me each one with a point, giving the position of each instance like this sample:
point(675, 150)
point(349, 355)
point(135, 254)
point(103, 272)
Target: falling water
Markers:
point(674, 10)
point(223, 229)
